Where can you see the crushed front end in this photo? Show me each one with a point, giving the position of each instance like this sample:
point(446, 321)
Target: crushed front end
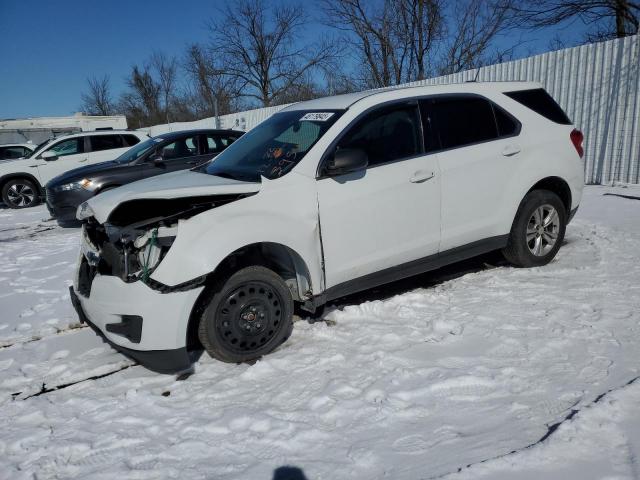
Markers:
point(113, 290)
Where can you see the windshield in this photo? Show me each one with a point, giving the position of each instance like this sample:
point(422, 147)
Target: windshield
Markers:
point(274, 147)
point(40, 146)
point(140, 149)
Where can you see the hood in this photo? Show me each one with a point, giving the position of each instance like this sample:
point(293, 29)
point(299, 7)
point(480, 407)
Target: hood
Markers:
point(181, 184)
point(85, 172)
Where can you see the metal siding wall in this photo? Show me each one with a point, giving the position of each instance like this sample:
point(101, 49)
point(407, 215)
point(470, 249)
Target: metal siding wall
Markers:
point(597, 85)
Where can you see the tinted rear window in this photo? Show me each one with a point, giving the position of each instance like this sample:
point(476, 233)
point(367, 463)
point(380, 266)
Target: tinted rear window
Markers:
point(507, 125)
point(462, 121)
point(542, 103)
point(130, 140)
point(105, 142)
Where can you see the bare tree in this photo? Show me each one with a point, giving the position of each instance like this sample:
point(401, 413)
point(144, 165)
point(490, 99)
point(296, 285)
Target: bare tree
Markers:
point(259, 47)
point(609, 18)
point(143, 97)
point(476, 24)
point(98, 101)
point(166, 70)
point(213, 92)
point(394, 39)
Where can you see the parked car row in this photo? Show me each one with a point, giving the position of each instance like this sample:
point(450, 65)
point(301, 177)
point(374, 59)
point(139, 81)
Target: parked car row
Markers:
point(70, 169)
point(12, 151)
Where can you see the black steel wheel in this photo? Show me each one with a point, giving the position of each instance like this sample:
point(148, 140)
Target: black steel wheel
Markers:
point(248, 317)
point(20, 193)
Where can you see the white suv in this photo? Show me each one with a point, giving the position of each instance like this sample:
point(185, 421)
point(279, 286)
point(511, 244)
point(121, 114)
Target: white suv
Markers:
point(22, 180)
point(323, 199)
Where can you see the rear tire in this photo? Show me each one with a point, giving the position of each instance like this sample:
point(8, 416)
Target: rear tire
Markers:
point(20, 193)
point(248, 316)
point(538, 230)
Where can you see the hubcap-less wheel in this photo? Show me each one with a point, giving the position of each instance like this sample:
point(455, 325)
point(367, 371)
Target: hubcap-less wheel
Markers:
point(21, 195)
point(542, 230)
point(249, 317)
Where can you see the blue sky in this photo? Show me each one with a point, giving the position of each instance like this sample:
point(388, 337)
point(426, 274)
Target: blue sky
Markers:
point(49, 48)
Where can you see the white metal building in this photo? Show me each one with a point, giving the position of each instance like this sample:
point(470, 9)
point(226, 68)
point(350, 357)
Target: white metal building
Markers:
point(41, 128)
point(598, 85)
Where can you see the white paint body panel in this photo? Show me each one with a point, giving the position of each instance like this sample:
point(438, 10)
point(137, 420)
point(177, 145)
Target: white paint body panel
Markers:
point(345, 227)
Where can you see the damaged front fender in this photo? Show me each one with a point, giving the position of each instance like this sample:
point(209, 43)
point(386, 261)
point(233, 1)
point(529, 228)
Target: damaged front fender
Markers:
point(283, 212)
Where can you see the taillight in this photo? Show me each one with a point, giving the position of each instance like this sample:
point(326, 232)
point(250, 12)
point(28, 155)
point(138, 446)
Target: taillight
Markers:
point(576, 138)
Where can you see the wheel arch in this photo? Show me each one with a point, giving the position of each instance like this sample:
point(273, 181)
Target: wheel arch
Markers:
point(557, 185)
point(278, 257)
point(11, 176)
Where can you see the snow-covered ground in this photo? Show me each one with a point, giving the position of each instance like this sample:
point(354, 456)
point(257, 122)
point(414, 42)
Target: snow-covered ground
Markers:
point(458, 373)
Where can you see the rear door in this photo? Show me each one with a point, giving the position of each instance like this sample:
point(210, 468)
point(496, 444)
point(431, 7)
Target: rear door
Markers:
point(478, 152)
point(103, 148)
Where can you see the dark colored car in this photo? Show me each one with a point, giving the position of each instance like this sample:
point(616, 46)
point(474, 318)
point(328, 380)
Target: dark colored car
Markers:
point(161, 154)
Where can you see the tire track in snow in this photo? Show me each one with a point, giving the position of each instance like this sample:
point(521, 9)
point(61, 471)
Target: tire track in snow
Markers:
point(551, 430)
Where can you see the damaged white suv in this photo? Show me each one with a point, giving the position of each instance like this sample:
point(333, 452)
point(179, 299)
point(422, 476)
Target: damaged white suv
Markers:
point(323, 199)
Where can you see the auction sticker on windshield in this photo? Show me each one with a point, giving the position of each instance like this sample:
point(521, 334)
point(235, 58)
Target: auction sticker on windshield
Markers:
point(317, 116)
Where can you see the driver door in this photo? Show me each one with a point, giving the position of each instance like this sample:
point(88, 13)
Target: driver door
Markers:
point(180, 154)
point(388, 214)
point(69, 154)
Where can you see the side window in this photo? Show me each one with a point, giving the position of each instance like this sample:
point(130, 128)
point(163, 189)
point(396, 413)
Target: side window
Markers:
point(130, 140)
point(217, 143)
point(463, 121)
point(507, 125)
point(72, 146)
point(105, 142)
point(541, 102)
point(386, 135)
point(184, 147)
point(13, 152)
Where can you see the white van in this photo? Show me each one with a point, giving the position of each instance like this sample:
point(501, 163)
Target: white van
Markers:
point(22, 180)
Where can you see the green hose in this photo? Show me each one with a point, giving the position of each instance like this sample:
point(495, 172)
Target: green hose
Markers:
point(153, 241)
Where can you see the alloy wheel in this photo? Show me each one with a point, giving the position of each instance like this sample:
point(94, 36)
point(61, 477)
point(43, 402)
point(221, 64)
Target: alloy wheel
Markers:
point(542, 230)
point(21, 195)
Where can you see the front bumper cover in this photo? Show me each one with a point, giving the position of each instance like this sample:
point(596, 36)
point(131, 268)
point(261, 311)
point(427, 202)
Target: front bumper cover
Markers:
point(161, 361)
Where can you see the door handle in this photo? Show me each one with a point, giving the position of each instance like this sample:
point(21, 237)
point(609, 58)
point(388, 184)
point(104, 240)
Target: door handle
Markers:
point(84, 159)
point(421, 176)
point(511, 150)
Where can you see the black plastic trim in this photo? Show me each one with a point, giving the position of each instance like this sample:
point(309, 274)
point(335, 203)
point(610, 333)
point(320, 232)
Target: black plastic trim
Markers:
point(161, 361)
point(415, 267)
point(572, 214)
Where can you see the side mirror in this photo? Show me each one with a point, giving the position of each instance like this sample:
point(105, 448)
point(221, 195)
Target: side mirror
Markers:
point(49, 156)
point(346, 160)
point(157, 159)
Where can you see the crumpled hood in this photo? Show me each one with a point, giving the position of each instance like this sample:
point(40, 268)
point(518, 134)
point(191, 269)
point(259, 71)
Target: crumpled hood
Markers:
point(170, 185)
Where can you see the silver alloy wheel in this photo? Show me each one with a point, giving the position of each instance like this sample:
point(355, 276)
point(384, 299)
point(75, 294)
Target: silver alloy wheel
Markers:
point(542, 230)
point(21, 195)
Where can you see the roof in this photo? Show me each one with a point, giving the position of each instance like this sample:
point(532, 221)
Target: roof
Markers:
point(341, 102)
point(196, 131)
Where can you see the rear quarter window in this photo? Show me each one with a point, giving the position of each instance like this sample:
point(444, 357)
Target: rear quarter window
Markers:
point(538, 100)
point(130, 140)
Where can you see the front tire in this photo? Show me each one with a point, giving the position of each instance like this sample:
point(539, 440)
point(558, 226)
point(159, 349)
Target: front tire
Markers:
point(249, 316)
point(20, 193)
point(538, 230)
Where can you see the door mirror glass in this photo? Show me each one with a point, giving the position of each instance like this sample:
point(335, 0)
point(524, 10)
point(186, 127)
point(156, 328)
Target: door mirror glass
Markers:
point(49, 156)
point(156, 159)
point(346, 160)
